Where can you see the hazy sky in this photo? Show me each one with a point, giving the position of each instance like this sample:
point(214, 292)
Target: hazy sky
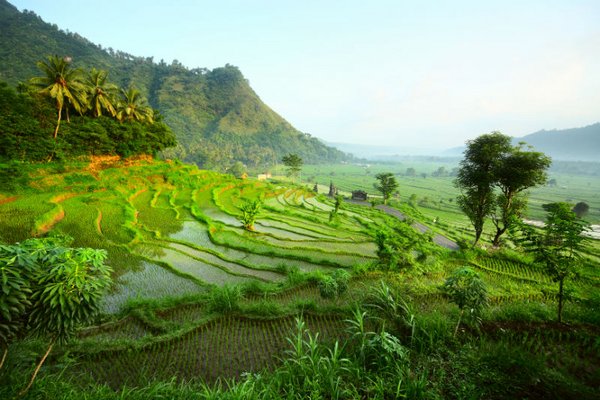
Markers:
point(420, 74)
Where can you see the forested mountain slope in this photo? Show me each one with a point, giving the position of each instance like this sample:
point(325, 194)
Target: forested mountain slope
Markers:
point(217, 117)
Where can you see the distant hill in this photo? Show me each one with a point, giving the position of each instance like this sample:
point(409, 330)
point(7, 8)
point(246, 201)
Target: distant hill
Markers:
point(216, 116)
point(575, 144)
point(381, 152)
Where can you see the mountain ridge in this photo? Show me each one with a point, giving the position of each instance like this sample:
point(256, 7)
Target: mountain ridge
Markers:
point(217, 117)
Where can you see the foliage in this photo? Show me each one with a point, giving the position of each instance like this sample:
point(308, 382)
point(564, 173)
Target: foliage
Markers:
point(334, 285)
point(101, 94)
point(466, 289)
point(477, 176)
point(215, 114)
point(581, 209)
point(395, 246)
point(133, 107)
point(519, 170)
point(225, 299)
point(492, 164)
point(294, 163)
point(238, 169)
point(49, 290)
point(25, 117)
point(250, 211)
point(63, 84)
point(387, 185)
point(557, 247)
point(387, 306)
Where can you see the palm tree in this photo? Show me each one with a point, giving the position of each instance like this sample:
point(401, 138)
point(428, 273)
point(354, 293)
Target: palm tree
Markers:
point(133, 107)
point(62, 84)
point(101, 93)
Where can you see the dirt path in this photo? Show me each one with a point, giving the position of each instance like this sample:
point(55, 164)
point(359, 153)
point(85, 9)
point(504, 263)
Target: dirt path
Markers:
point(437, 238)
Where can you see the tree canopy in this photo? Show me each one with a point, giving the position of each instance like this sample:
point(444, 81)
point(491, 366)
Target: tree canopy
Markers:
point(27, 116)
point(493, 177)
point(386, 184)
point(556, 247)
point(294, 163)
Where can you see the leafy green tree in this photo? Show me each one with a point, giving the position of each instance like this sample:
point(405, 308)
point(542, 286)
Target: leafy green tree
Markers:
point(250, 211)
point(518, 171)
point(387, 185)
point(581, 209)
point(557, 246)
point(410, 172)
point(466, 289)
point(477, 177)
point(134, 107)
point(238, 169)
point(294, 163)
point(101, 94)
point(63, 287)
point(63, 84)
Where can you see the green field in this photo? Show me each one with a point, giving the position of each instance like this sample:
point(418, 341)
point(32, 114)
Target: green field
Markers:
point(198, 299)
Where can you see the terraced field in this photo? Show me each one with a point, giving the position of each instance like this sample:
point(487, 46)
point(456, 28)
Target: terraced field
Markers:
point(173, 231)
point(174, 242)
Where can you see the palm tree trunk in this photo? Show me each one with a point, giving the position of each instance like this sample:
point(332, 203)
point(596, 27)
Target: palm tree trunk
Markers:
point(3, 357)
point(58, 123)
point(37, 369)
point(458, 323)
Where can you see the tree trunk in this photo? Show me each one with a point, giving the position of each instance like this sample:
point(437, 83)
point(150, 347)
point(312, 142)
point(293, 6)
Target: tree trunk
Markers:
point(560, 300)
point(3, 357)
point(478, 233)
point(37, 369)
point(458, 323)
point(57, 123)
point(499, 232)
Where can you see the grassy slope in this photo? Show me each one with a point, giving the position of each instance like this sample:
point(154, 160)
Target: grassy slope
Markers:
point(179, 324)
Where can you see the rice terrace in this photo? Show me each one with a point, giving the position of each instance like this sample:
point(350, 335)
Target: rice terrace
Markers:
point(165, 234)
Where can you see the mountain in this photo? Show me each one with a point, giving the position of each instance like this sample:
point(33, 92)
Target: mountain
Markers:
point(381, 152)
point(217, 117)
point(575, 144)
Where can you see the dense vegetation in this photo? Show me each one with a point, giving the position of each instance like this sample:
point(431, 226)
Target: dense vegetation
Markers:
point(228, 287)
point(28, 122)
point(400, 308)
point(215, 115)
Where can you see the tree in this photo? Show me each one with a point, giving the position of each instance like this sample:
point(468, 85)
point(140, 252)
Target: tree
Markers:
point(387, 185)
point(410, 172)
point(581, 209)
point(63, 84)
point(250, 211)
point(134, 107)
point(63, 287)
point(238, 169)
point(557, 246)
point(294, 163)
point(477, 177)
point(517, 171)
point(101, 94)
point(468, 292)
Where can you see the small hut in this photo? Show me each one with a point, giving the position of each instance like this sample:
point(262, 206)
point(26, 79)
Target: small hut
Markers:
point(359, 195)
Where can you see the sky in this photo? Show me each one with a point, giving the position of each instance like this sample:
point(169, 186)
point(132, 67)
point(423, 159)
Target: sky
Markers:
point(405, 74)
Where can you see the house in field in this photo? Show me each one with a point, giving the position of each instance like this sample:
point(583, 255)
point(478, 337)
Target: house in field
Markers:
point(359, 195)
point(264, 177)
